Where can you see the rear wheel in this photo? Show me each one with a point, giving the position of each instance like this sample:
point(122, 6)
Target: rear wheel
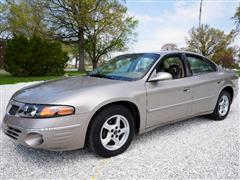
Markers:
point(222, 107)
point(111, 131)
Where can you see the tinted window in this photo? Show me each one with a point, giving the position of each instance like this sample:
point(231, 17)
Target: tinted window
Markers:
point(172, 65)
point(200, 66)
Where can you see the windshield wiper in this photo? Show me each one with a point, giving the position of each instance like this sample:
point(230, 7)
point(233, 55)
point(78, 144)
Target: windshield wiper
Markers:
point(97, 75)
point(105, 76)
point(101, 76)
point(111, 77)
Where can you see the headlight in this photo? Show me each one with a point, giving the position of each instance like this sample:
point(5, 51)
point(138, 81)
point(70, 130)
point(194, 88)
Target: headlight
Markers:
point(44, 111)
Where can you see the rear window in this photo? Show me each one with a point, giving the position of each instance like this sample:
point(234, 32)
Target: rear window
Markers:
point(199, 65)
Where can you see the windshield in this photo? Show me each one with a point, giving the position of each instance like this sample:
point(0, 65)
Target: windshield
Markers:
point(127, 67)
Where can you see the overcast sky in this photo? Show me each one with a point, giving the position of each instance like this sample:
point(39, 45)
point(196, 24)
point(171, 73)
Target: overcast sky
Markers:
point(162, 21)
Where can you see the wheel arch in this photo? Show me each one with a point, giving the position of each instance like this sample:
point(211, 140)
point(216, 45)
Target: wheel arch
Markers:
point(126, 103)
point(229, 89)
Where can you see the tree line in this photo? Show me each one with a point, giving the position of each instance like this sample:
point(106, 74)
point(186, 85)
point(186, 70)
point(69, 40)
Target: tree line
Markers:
point(213, 43)
point(90, 27)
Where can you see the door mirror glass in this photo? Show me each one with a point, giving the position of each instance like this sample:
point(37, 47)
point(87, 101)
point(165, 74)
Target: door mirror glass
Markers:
point(161, 76)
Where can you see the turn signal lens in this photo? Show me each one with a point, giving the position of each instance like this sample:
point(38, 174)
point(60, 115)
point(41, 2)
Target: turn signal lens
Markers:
point(50, 111)
point(65, 110)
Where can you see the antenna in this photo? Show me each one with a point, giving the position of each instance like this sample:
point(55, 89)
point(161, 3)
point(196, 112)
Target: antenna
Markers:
point(199, 25)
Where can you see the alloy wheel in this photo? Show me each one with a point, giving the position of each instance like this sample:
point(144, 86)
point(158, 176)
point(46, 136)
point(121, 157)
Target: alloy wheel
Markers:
point(114, 132)
point(223, 105)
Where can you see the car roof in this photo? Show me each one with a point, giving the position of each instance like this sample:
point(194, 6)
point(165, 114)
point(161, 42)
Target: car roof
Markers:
point(171, 52)
point(162, 53)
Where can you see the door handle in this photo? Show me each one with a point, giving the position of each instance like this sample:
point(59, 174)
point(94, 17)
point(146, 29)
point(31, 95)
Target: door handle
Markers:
point(186, 89)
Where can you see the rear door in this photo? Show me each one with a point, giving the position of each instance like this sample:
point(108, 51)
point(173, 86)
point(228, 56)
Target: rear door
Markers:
point(206, 82)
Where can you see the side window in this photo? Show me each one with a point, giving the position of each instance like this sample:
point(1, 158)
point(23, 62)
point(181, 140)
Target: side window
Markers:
point(199, 66)
point(172, 65)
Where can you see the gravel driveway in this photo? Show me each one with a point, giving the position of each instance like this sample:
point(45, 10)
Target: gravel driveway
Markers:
point(195, 148)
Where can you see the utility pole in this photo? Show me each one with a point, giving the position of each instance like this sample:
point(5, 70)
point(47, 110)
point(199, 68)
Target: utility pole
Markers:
point(199, 25)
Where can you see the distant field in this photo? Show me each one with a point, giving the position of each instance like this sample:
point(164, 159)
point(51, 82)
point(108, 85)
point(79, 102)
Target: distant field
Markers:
point(6, 78)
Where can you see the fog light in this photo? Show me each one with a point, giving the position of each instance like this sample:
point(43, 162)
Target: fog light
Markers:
point(34, 139)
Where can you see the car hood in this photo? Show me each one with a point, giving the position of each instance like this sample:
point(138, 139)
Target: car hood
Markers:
point(52, 91)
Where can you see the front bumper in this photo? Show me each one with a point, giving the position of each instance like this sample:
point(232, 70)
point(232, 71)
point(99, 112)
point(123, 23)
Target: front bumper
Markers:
point(56, 134)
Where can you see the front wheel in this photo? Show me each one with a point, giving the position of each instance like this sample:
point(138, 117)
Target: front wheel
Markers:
point(111, 131)
point(222, 107)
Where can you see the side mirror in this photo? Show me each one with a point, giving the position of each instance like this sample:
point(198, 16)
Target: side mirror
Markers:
point(161, 76)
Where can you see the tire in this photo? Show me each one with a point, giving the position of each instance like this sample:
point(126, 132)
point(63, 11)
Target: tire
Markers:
point(221, 114)
point(111, 131)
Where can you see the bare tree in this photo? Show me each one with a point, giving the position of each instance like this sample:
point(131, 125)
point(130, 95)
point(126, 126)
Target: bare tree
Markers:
point(169, 47)
point(211, 40)
point(68, 18)
point(111, 30)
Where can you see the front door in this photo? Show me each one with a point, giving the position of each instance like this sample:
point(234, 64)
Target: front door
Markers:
point(169, 100)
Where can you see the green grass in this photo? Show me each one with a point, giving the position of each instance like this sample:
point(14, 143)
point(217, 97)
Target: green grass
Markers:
point(238, 72)
point(6, 78)
point(74, 73)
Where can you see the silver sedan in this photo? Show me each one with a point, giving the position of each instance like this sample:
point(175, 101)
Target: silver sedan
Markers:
point(130, 94)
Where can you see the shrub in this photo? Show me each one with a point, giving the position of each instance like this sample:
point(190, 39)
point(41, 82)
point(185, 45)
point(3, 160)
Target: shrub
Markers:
point(226, 58)
point(34, 57)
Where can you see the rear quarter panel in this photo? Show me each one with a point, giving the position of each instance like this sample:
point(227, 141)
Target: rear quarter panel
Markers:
point(231, 79)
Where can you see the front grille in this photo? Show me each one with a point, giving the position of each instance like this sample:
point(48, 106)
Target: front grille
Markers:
point(13, 110)
point(12, 132)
